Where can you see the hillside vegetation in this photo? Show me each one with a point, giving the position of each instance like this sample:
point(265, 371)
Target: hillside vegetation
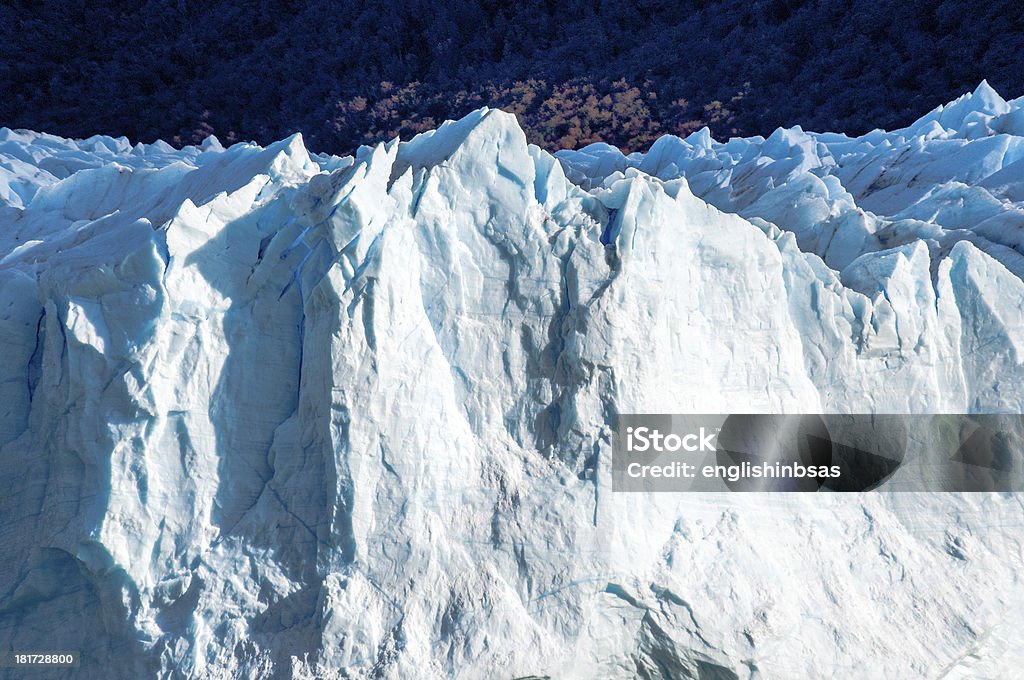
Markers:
point(351, 72)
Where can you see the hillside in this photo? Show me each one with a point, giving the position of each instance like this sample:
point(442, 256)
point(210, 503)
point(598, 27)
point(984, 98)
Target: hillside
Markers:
point(574, 71)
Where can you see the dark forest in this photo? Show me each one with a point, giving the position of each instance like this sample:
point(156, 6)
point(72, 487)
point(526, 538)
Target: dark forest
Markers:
point(359, 71)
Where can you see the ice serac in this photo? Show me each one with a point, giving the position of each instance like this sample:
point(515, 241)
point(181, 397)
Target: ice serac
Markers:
point(270, 413)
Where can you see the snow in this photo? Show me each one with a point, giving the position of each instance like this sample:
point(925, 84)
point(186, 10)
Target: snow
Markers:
point(845, 196)
point(267, 411)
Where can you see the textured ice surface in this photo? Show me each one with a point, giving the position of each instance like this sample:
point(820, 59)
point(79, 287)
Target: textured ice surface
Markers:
point(270, 413)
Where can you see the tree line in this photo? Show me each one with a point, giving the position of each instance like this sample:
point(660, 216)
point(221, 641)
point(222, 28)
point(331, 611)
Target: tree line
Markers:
point(350, 72)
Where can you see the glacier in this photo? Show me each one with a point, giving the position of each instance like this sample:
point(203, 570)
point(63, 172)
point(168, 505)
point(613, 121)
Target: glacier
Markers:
point(271, 413)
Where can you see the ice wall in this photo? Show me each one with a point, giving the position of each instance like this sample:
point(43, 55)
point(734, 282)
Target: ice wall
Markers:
point(271, 413)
